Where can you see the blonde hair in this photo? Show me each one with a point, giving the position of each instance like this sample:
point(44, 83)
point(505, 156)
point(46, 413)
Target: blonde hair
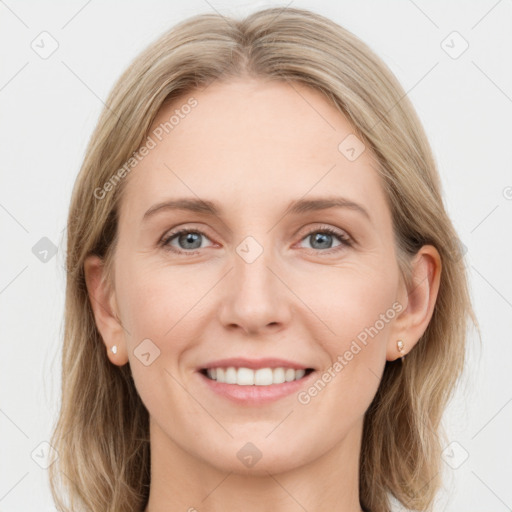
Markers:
point(102, 432)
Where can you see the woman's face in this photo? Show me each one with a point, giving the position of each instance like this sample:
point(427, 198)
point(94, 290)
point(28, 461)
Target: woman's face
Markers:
point(259, 278)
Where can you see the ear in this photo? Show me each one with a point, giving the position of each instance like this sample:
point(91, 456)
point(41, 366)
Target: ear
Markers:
point(418, 301)
point(105, 311)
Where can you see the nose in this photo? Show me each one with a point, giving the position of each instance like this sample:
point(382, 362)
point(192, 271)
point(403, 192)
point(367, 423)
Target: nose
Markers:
point(254, 297)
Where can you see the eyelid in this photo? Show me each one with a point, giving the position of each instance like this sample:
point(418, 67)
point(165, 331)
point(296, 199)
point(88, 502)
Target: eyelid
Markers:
point(325, 227)
point(190, 226)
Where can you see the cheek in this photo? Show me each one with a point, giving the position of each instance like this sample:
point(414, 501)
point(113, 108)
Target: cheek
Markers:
point(158, 301)
point(154, 298)
point(159, 305)
point(357, 306)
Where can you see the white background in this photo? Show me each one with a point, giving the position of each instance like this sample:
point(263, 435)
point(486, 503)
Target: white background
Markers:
point(49, 108)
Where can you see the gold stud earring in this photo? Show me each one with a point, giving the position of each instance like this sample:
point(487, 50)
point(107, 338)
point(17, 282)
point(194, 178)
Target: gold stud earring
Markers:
point(113, 349)
point(400, 345)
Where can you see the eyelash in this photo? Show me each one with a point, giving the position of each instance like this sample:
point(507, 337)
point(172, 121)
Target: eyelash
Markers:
point(343, 238)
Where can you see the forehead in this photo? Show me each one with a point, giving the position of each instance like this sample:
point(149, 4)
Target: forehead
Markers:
point(246, 141)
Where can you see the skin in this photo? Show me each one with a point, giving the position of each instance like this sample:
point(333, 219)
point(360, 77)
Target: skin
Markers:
point(252, 147)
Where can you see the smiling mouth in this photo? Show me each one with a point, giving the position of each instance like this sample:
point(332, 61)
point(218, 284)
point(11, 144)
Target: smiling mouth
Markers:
point(260, 377)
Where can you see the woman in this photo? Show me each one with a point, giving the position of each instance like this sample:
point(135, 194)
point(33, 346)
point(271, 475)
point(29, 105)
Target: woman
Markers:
point(299, 354)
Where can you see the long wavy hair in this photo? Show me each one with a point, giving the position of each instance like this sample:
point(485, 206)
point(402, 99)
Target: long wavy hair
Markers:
point(102, 430)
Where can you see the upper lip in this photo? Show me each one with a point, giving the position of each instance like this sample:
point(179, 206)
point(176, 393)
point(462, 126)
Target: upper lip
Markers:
point(254, 364)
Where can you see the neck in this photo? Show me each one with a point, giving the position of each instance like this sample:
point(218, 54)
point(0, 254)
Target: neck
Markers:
point(182, 481)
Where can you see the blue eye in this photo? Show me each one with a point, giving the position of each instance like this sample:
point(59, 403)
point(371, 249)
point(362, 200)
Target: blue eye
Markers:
point(187, 237)
point(324, 238)
point(189, 240)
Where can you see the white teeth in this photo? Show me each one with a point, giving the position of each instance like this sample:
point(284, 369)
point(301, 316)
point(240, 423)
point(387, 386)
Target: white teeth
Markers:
point(248, 377)
point(278, 375)
point(230, 377)
point(244, 377)
point(262, 377)
point(289, 374)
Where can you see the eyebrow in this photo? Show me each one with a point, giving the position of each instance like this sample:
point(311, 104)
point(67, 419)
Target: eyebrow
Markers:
point(206, 207)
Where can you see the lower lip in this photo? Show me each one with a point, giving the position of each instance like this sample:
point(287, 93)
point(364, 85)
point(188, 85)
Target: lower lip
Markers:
point(256, 395)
